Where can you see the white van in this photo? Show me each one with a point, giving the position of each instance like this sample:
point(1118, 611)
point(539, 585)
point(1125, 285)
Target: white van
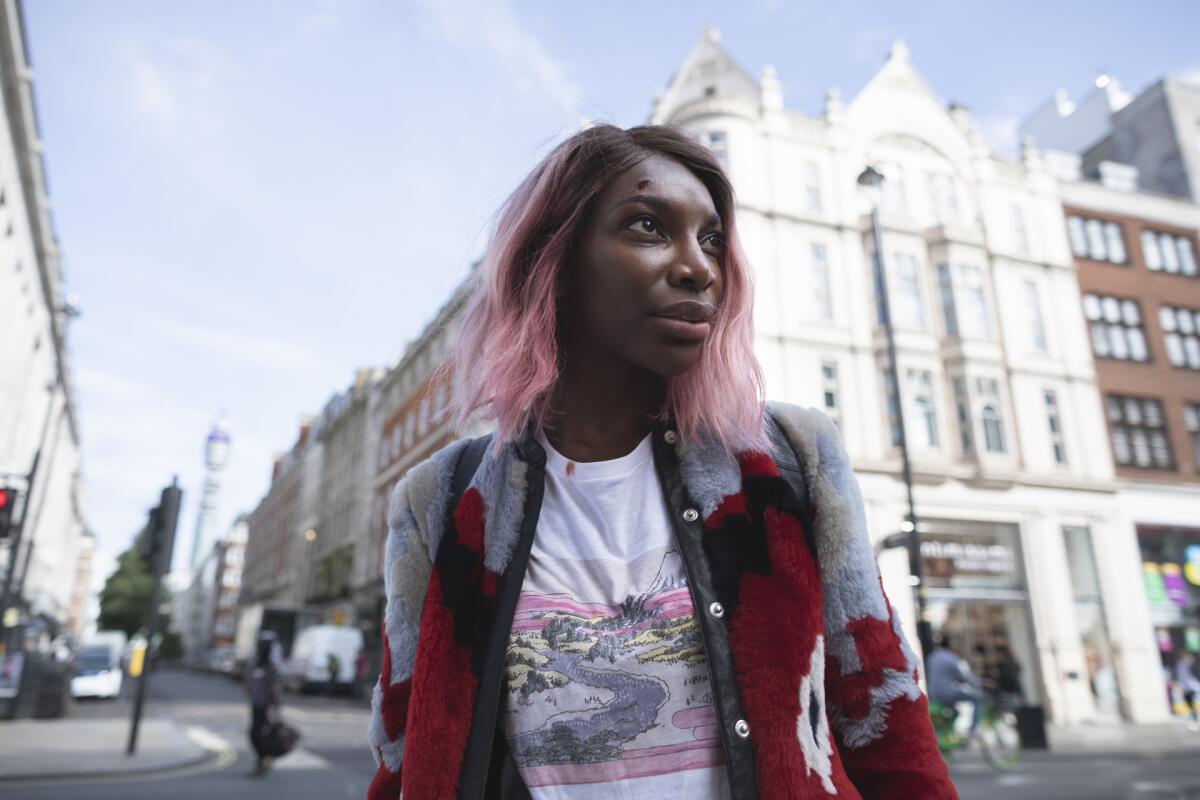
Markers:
point(308, 666)
point(97, 673)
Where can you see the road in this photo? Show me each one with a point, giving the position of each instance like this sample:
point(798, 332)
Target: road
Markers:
point(333, 760)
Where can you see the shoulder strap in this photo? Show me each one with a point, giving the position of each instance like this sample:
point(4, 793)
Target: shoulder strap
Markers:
point(464, 470)
point(792, 472)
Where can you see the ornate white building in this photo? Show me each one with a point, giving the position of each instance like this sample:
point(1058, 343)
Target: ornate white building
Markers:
point(1023, 547)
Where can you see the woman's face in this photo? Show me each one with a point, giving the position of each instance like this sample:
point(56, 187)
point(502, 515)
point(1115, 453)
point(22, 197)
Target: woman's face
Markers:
point(647, 279)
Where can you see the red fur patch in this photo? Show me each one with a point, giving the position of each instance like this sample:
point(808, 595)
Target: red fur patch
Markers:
point(490, 584)
point(385, 785)
point(442, 703)
point(731, 506)
point(468, 521)
point(878, 648)
point(903, 763)
point(757, 465)
point(394, 705)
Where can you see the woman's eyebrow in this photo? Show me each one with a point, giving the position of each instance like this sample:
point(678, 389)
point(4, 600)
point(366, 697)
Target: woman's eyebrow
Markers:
point(664, 206)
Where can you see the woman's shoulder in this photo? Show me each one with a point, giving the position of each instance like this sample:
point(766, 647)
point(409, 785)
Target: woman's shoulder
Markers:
point(422, 492)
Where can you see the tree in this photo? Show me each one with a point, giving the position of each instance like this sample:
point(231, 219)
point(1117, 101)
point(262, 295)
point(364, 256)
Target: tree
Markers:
point(126, 594)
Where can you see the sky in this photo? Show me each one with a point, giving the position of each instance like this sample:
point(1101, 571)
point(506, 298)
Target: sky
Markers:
point(256, 198)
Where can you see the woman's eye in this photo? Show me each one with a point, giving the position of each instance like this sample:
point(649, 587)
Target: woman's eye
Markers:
point(644, 225)
point(712, 240)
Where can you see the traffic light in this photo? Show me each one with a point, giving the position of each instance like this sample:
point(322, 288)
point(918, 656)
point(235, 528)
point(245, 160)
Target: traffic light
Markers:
point(8, 501)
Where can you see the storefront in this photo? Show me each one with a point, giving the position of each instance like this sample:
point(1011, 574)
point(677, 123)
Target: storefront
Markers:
point(1171, 575)
point(977, 597)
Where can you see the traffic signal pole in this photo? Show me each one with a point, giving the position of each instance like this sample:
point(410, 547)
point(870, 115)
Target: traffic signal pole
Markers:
point(159, 543)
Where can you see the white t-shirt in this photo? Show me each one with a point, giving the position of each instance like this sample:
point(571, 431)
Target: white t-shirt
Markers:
point(608, 689)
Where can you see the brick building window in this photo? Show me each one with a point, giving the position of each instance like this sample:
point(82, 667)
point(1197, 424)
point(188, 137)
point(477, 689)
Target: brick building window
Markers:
point(1096, 239)
point(1164, 252)
point(1191, 420)
point(1181, 335)
point(1116, 328)
point(1139, 432)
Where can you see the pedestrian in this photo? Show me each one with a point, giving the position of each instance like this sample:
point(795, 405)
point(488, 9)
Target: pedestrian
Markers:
point(951, 682)
point(1189, 686)
point(263, 689)
point(360, 673)
point(334, 666)
point(639, 526)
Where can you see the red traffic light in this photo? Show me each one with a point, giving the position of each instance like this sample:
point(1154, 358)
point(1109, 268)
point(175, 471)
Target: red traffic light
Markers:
point(5, 498)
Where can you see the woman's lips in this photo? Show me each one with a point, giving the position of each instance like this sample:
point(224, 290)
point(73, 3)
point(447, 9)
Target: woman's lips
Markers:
point(683, 329)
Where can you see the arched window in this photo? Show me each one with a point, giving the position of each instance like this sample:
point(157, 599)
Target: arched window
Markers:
point(993, 429)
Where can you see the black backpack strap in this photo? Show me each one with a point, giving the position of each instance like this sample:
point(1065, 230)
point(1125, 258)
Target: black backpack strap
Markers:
point(464, 470)
point(792, 472)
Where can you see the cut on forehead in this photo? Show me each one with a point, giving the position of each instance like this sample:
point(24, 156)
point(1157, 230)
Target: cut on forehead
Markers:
point(663, 177)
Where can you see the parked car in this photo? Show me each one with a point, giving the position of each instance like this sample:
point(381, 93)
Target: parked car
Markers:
point(308, 667)
point(97, 673)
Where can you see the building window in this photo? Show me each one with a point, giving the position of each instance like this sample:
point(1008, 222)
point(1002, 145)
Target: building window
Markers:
point(894, 197)
point(1096, 239)
point(923, 411)
point(1020, 232)
point(907, 309)
point(946, 290)
point(822, 295)
point(1054, 419)
point(1037, 327)
point(943, 203)
point(1139, 433)
point(963, 302)
point(988, 391)
point(1181, 336)
point(1116, 328)
point(1164, 252)
point(719, 144)
point(812, 187)
point(830, 392)
point(1191, 420)
point(962, 408)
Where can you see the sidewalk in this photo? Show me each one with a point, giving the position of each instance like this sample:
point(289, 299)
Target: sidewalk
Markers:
point(1171, 738)
point(91, 748)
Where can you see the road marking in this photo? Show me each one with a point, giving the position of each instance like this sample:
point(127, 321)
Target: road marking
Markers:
point(301, 759)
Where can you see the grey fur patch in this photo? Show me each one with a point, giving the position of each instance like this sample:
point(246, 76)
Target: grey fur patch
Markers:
point(709, 472)
point(856, 733)
point(432, 504)
point(504, 519)
point(402, 638)
point(392, 752)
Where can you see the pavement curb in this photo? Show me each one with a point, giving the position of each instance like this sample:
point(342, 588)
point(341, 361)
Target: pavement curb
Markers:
point(217, 753)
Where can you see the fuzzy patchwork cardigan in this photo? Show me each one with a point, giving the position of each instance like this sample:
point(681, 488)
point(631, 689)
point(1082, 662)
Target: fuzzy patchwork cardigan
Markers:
point(815, 687)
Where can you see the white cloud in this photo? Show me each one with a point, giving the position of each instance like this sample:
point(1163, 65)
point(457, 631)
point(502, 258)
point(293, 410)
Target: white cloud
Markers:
point(496, 27)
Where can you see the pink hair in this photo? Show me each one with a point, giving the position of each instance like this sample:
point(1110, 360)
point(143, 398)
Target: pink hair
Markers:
point(507, 360)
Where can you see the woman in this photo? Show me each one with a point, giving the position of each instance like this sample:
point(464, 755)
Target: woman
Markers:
point(264, 702)
point(641, 583)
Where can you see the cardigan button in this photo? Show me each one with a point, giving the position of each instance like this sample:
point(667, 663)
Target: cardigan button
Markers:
point(671, 437)
point(691, 515)
point(742, 728)
point(716, 609)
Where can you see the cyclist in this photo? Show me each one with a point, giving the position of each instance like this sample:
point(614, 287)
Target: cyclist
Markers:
point(951, 681)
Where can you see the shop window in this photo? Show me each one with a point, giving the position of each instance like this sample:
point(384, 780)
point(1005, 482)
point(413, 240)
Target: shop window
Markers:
point(1171, 579)
point(1181, 335)
point(1116, 328)
point(1139, 433)
point(1090, 620)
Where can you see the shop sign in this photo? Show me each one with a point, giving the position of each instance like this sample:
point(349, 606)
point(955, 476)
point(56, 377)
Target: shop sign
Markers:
point(971, 557)
point(1177, 591)
point(1156, 591)
point(1191, 569)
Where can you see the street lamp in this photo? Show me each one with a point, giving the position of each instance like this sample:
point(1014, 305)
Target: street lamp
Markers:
point(872, 180)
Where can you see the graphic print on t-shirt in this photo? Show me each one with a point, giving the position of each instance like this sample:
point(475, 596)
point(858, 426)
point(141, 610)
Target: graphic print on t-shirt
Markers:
point(603, 692)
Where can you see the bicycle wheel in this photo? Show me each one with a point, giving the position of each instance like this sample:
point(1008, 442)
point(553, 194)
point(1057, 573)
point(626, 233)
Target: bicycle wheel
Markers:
point(999, 741)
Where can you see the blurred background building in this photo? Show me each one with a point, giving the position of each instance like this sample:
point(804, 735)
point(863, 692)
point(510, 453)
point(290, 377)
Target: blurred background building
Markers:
point(45, 574)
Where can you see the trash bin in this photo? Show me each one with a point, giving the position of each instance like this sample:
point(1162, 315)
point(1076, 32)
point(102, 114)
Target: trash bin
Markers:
point(1031, 727)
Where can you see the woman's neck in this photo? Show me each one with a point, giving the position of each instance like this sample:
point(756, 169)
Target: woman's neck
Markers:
point(602, 410)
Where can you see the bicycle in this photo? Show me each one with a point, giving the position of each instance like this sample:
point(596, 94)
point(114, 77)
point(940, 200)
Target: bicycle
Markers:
point(999, 741)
